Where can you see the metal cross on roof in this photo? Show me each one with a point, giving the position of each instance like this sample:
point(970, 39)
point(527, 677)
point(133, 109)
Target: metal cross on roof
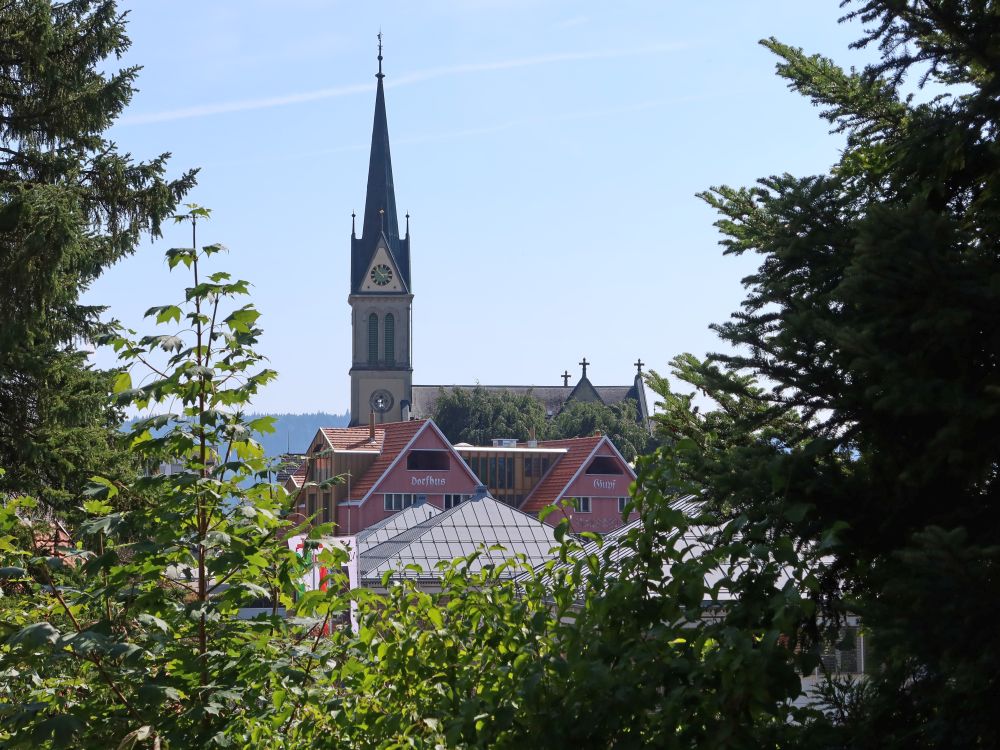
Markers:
point(584, 364)
point(638, 365)
point(565, 376)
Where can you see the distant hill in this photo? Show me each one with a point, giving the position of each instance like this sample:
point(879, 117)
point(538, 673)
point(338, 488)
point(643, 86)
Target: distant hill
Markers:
point(293, 432)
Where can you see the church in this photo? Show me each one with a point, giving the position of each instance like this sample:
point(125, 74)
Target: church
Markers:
point(381, 301)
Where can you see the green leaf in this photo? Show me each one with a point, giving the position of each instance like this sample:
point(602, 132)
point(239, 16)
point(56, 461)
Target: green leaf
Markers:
point(96, 507)
point(434, 615)
point(123, 382)
point(168, 313)
point(35, 635)
point(100, 488)
point(129, 740)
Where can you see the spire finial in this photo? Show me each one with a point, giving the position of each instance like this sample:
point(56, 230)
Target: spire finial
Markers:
point(379, 75)
point(353, 215)
point(407, 223)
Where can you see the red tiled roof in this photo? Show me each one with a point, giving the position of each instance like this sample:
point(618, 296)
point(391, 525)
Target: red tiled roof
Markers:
point(551, 488)
point(298, 477)
point(395, 437)
point(354, 438)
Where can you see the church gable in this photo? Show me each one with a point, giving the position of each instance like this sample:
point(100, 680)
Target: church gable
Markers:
point(382, 274)
point(585, 391)
point(426, 464)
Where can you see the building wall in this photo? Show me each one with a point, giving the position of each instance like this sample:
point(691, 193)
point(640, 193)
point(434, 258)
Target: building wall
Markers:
point(507, 473)
point(455, 479)
point(429, 484)
point(604, 516)
point(604, 491)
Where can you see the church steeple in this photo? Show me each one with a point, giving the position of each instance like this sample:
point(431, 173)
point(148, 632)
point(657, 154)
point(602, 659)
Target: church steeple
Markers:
point(381, 296)
point(380, 198)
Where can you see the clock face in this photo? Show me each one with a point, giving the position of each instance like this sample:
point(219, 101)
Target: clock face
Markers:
point(381, 401)
point(381, 274)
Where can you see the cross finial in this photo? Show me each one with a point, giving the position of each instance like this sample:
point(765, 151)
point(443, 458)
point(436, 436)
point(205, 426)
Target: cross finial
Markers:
point(638, 365)
point(584, 364)
point(565, 376)
point(379, 74)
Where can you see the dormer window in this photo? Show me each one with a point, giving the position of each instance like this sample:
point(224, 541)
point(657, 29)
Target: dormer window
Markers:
point(604, 465)
point(425, 460)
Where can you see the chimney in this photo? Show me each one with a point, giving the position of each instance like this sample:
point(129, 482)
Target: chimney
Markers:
point(371, 427)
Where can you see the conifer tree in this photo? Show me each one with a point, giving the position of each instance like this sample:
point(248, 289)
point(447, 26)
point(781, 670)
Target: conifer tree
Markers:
point(873, 316)
point(617, 421)
point(70, 205)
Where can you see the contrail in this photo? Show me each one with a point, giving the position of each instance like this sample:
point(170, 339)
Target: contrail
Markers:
point(407, 79)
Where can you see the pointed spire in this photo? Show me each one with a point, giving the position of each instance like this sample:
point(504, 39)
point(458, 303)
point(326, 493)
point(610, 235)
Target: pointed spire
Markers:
point(381, 196)
point(379, 75)
point(379, 217)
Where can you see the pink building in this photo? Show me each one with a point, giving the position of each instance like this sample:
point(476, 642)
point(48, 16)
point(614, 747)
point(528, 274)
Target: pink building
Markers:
point(392, 466)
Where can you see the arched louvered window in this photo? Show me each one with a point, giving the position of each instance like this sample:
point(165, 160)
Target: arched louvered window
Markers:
point(372, 338)
point(390, 338)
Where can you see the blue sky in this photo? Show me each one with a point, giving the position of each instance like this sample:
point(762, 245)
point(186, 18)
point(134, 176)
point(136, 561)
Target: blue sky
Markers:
point(549, 153)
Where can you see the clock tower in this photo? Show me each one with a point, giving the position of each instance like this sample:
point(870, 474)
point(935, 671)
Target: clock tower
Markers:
point(381, 296)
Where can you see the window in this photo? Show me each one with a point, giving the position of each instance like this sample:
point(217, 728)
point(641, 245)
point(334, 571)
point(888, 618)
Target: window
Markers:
point(390, 338)
point(527, 467)
point(604, 465)
point(493, 471)
point(474, 465)
point(622, 502)
point(326, 507)
point(450, 501)
point(502, 471)
point(417, 460)
point(545, 467)
point(581, 504)
point(372, 338)
point(397, 500)
point(311, 506)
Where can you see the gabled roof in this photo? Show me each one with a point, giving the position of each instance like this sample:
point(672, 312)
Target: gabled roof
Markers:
point(459, 532)
point(615, 547)
point(556, 483)
point(290, 463)
point(585, 391)
point(298, 477)
point(353, 438)
point(397, 436)
point(397, 523)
